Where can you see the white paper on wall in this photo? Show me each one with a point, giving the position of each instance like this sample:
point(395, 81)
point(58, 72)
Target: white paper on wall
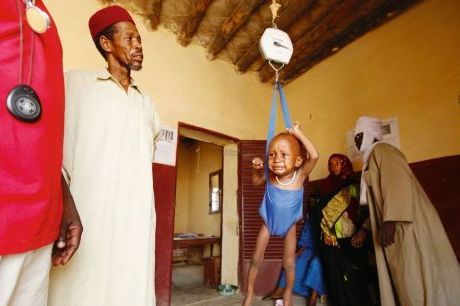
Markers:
point(391, 131)
point(166, 146)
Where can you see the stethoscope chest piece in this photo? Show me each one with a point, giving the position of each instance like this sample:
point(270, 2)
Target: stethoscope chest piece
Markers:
point(23, 103)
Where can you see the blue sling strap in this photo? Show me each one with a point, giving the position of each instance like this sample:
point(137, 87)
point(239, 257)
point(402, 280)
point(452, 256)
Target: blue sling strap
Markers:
point(284, 108)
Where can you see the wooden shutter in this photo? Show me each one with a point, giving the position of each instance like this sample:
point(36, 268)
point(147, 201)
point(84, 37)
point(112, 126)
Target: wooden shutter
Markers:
point(164, 184)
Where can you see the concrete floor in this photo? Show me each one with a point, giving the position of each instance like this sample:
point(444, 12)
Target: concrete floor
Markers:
point(208, 297)
point(187, 290)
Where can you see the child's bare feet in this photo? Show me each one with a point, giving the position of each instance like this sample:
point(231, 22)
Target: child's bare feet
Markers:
point(277, 294)
point(247, 300)
point(287, 300)
point(312, 298)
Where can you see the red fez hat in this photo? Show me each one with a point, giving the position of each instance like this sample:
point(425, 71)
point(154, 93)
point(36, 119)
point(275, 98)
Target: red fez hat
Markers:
point(106, 17)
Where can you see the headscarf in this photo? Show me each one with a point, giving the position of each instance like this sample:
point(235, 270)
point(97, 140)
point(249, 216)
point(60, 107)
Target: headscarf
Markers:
point(333, 183)
point(372, 129)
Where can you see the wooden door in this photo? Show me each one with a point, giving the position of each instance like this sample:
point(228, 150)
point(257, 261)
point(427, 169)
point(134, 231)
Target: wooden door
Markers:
point(164, 183)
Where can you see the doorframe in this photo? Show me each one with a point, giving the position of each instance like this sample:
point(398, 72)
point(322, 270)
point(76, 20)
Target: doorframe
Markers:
point(205, 135)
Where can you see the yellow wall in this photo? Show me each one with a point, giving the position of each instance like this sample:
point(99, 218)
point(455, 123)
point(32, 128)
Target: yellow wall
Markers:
point(182, 189)
point(409, 68)
point(194, 164)
point(204, 158)
point(183, 83)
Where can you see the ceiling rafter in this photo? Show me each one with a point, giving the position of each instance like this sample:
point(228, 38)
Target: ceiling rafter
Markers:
point(197, 12)
point(149, 10)
point(389, 9)
point(154, 17)
point(373, 15)
point(251, 31)
point(232, 24)
point(231, 29)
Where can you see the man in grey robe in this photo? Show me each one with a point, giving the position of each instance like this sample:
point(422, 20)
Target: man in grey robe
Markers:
point(416, 263)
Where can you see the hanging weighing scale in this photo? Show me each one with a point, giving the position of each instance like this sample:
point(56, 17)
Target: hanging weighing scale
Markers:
point(276, 47)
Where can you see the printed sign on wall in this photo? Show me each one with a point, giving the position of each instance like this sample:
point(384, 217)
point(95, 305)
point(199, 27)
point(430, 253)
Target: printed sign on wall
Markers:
point(166, 146)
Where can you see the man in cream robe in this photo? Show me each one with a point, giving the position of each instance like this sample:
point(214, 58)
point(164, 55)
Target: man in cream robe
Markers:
point(110, 126)
point(416, 263)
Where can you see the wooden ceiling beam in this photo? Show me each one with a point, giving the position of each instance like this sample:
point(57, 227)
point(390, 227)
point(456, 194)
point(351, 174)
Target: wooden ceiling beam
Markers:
point(251, 31)
point(150, 10)
point(188, 28)
point(380, 15)
point(232, 24)
point(347, 12)
point(318, 28)
point(154, 16)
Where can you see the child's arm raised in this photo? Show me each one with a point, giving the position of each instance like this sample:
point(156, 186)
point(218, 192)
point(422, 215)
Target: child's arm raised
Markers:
point(312, 152)
point(258, 177)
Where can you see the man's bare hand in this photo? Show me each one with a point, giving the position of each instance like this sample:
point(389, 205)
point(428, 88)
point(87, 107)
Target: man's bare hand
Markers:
point(357, 240)
point(387, 233)
point(68, 241)
point(70, 232)
point(299, 251)
point(329, 241)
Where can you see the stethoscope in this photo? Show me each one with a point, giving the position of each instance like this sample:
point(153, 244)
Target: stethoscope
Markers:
point(22, 101)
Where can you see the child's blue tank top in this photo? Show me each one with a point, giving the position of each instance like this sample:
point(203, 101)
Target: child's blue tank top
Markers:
point(280, 209)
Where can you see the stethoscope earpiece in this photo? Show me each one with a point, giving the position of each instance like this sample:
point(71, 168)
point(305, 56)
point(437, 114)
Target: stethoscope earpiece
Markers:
point(37, 19)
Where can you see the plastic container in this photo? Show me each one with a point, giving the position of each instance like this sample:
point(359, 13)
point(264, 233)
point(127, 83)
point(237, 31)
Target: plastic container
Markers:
point(227, 289)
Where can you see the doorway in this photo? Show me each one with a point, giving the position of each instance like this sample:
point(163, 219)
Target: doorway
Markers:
point(205, 217)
